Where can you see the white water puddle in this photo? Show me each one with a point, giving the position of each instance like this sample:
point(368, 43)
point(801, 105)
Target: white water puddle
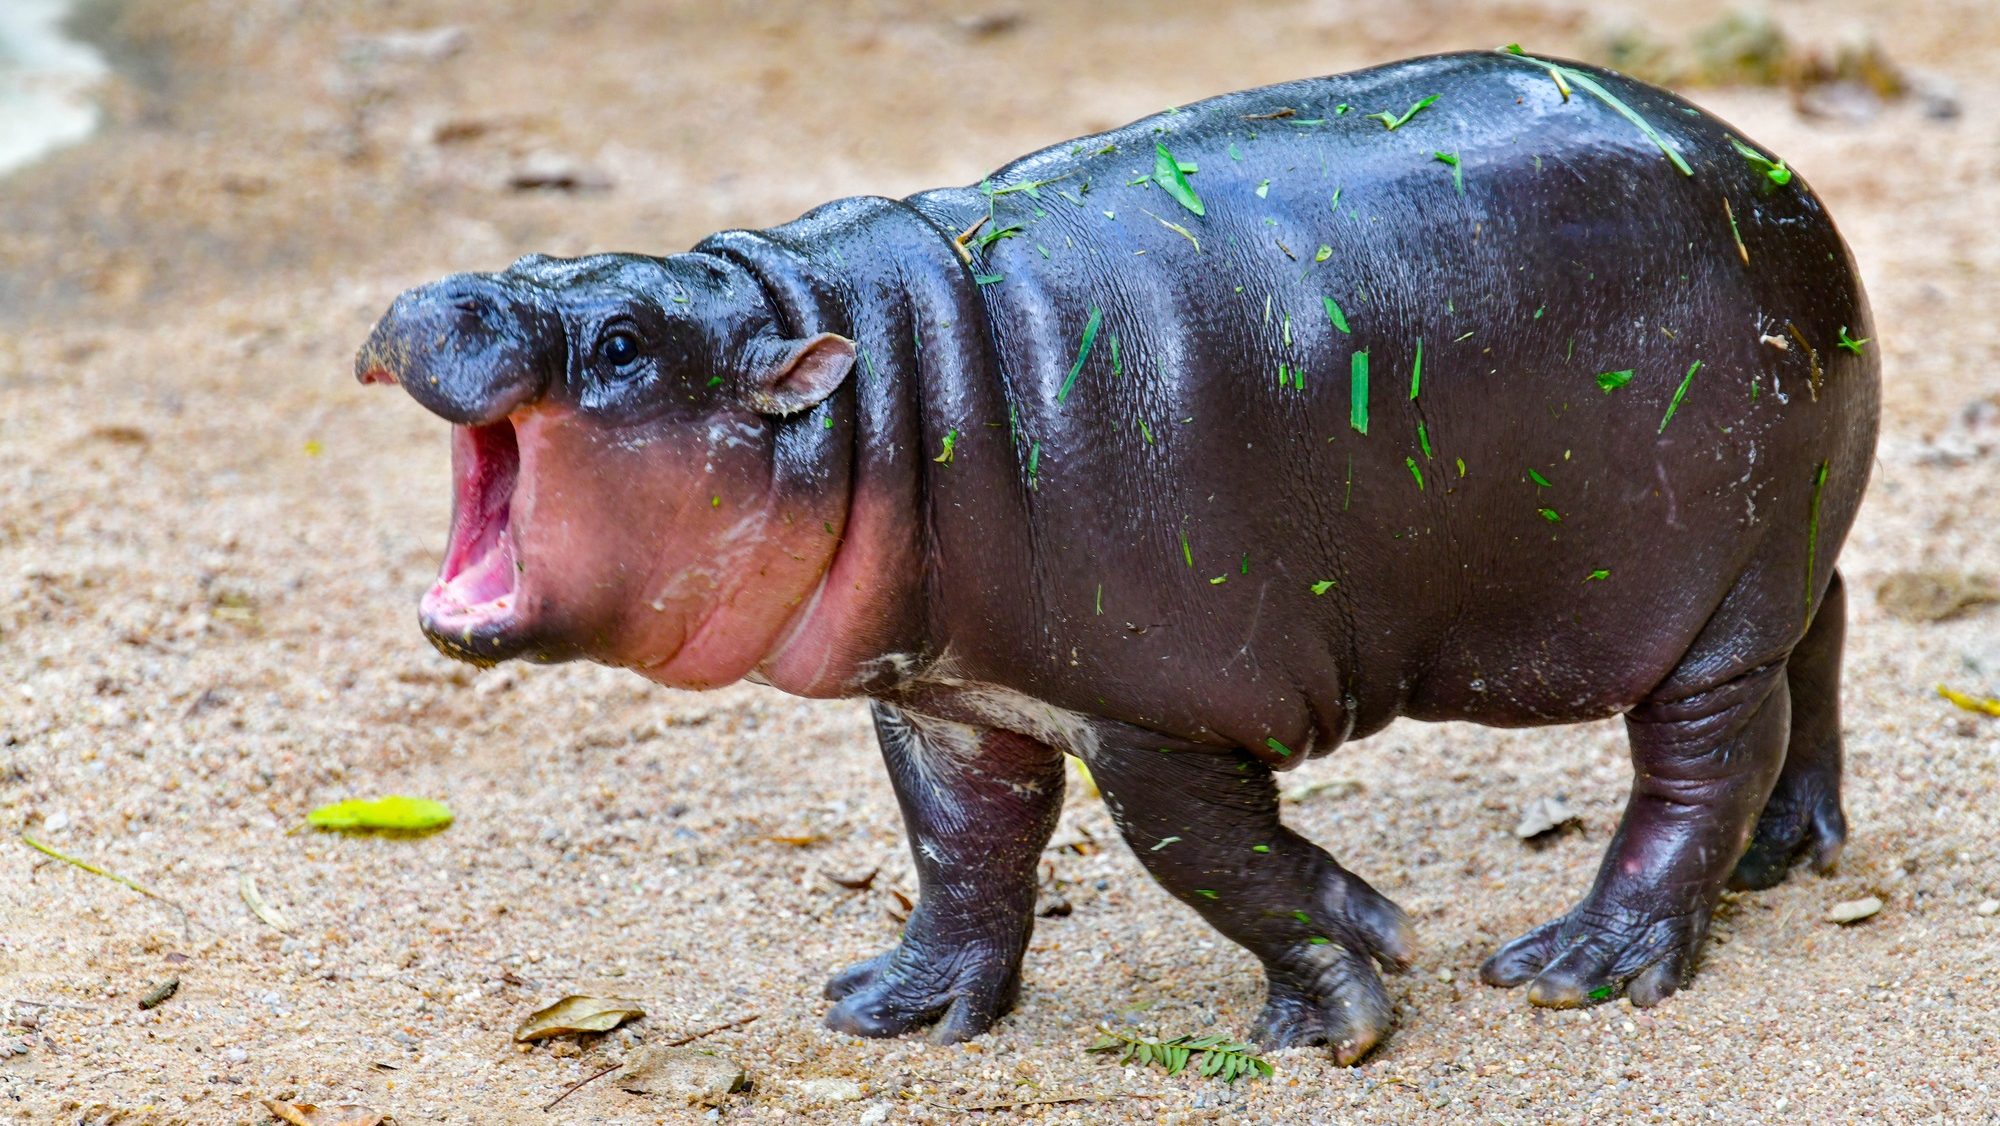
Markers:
point(46, 82)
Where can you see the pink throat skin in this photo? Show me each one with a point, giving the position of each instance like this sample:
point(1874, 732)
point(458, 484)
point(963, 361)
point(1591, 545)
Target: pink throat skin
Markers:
point(833, 619)
point(733, 580)
point(853, 616)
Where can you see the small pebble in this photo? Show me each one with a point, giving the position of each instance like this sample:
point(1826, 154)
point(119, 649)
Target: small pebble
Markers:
point(1545, 815)
point(1989, 908)
point(831, 1090)
point(1853, 910)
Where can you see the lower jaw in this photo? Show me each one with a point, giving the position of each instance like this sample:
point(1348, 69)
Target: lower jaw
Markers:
point(481, 633)
point(473, 611)
point(798, 663)
point(471, 646)
point(468, 634)
point(488, 643)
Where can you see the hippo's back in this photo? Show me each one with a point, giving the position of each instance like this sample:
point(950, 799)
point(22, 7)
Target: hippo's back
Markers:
point(1482, 415)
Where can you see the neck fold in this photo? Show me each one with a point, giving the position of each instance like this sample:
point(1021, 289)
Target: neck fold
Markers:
point(874, 270)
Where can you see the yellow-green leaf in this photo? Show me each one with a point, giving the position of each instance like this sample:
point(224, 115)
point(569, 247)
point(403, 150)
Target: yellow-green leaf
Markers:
point(1969, 702)
point(398, 813)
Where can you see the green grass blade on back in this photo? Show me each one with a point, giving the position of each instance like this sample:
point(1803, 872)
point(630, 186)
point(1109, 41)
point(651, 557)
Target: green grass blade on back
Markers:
point(1592, 86)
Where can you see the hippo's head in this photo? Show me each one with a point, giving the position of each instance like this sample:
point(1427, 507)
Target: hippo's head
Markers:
point(621, 432)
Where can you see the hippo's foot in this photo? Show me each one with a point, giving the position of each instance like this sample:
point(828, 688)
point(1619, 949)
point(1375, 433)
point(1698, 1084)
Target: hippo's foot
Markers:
point(1205, 824)
point(1708, 758)
point(1597, 952)
point(1802, 821)
point(1329, 995)
point(1326, 990)
point(963, 990)
point(979, 804)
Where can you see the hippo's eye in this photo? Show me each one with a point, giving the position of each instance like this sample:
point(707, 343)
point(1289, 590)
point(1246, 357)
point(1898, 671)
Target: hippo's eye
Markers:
point(619, 348)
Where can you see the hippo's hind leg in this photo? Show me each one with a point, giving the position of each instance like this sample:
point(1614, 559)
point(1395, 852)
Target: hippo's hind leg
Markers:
point(979, 805)
point(1803, 817)
point(1706, 755)
point(1205, 824)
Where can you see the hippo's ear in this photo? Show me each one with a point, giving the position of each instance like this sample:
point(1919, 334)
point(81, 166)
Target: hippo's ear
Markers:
point(806, 371)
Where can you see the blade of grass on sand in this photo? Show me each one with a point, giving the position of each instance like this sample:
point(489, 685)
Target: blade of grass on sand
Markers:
point(114, 877)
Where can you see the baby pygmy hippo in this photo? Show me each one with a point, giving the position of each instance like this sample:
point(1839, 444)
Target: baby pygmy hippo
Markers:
point(1477, 387)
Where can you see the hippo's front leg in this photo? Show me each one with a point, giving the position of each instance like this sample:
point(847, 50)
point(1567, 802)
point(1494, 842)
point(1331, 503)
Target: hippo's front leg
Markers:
point(1205, 824)
point(979, 805)
point(1705, 763)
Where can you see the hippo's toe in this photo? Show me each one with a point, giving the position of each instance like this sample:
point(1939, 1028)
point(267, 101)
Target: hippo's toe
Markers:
point(1328, 994)
point(1800, 822)
point(1519, 961)
point(962, 991)
point(1588, 958)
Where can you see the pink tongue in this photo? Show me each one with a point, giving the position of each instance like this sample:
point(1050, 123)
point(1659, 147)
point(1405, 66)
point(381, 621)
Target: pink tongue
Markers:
point(488, 578)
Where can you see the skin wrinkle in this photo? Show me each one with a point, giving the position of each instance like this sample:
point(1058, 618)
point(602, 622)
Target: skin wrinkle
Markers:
point(878, 459)
point(804, 615)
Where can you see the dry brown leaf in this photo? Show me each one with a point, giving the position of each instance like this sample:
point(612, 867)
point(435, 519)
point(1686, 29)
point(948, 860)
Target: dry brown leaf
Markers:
point(796, 841)
point(577, 1013)
point(306, 1114)
point(120, 435)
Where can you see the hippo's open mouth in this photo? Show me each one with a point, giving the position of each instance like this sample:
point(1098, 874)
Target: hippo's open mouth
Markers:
point(476, 592)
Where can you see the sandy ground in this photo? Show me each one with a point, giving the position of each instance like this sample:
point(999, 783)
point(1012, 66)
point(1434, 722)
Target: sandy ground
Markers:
point(212, 540)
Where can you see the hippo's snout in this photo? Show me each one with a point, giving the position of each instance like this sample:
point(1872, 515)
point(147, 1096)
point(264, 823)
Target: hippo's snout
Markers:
point(468, 348)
